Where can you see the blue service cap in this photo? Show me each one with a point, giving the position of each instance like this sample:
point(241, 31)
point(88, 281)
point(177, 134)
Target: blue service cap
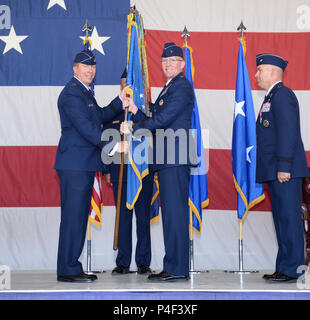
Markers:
point(172, 50)
point(85, 57)
point(268, 58)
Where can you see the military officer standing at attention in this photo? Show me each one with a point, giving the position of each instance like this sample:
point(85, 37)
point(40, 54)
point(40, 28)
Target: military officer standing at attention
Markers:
point(78, 158)
point(281, 162)
point(172, 110)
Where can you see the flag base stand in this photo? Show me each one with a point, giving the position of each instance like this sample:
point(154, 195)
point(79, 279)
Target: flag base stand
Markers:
point(94, 272)
point(191, 255)
point(191, 246)
point(198, 271)
point(241, 271)
point(89, 271)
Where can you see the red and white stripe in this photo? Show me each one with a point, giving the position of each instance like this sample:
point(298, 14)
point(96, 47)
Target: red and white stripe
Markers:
point(96, 201)
point(30, 128)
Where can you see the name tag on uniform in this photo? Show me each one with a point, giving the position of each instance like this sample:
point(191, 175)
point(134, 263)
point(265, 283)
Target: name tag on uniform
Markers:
point(266, 107)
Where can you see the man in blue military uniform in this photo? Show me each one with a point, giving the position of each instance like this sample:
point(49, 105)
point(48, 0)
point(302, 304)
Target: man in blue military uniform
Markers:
point(142, 212)
point(78, 158)
point(171, 114)
point(281, 162)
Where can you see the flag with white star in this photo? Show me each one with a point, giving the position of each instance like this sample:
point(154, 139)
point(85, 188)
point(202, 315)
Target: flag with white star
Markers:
point(38, 43)
point(249, 192)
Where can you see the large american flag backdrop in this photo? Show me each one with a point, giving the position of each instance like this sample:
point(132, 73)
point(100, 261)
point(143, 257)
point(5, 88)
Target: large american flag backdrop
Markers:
point(38, 41)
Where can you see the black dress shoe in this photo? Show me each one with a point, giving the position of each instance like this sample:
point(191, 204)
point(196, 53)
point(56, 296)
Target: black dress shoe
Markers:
point(166, 276)
point(280, 277)
point(144, 270)
point(120, 270)
point(81, 277)
point(268, 276)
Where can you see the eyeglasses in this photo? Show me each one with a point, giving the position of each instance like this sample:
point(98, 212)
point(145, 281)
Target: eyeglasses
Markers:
point(172, 60)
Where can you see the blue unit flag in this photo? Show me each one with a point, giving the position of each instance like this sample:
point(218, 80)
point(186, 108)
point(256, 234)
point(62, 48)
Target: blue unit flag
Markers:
point(244, 143)
point(198, 187)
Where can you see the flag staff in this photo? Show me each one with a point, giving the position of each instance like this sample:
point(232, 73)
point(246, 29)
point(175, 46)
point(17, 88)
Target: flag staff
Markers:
point(241, 270)
point(87, 28)
point(88, 270)
point(241, 28)
point(119, 190)
point(121, 170)
point(88, 253)
point(186, 34)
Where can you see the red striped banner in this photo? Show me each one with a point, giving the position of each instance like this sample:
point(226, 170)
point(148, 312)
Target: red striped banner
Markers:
point(29, 180)
point(214, 55)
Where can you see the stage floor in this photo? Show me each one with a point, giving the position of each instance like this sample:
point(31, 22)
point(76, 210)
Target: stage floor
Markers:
point(211, 285)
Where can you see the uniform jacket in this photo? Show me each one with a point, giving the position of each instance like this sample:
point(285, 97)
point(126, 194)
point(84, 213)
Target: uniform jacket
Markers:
point(82, 121)
point(279, 143)
point(173, 109)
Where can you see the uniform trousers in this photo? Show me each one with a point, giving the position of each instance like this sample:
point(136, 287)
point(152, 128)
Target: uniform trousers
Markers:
point(142, 212)
point(76, 191)
point(174, 191)
point(286, 211)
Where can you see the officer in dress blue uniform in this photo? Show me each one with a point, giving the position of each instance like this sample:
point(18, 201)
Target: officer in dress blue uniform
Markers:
point(281, 162)
point(172, 111)
point(78, 158)
point(142, 212)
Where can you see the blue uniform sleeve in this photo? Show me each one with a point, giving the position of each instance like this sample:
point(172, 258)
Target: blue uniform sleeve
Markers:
point(74, 107)
point(140, 115)
point(285, 105)
point(109, 112)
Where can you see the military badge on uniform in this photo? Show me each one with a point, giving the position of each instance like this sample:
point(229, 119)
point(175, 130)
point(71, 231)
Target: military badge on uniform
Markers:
point(91, 105)
point(161, 102)
point(266, 123)
point(266, 107)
